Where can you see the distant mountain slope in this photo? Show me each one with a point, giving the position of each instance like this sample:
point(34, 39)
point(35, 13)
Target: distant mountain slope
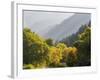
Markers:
point(68, 26)
point(72, 38)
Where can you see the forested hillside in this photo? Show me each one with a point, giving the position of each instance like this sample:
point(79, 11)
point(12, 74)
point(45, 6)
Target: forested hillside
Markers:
point(44, 53)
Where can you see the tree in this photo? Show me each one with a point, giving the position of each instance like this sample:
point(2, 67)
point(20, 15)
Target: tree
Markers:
point(61, 45)
point(84, 47)
point(72, 38)
point(55, 56)
point(49, 42)
point(69, 54)
point(71, 57)
point(38, 52)
point(35, 49)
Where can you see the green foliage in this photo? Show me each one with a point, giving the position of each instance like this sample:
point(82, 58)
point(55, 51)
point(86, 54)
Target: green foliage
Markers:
point(72, 38)
point(49, 42)
point(69, 56)
point(84, 47)
point(28, 66)
point(55, 56)
point(35, 50)
point(61, 45)
point(41, 53)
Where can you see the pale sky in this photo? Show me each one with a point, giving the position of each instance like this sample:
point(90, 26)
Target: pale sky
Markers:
point(42, 21)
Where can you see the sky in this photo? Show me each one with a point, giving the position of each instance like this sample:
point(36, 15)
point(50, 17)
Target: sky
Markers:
point(42, 21)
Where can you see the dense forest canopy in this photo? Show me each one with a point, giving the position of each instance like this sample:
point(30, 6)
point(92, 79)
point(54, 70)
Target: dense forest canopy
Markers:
point(69, 52)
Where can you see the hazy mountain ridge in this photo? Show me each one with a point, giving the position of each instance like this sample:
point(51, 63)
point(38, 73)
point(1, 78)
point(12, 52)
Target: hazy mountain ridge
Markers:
point(68, 26)
point(72, 38)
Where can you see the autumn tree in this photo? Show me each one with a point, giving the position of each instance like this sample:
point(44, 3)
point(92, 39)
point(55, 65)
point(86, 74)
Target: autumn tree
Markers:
point(71, 57)
point(55, 56)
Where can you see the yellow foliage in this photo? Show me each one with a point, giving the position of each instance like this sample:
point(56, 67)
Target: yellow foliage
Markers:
point(55, 55)
point(72, 51)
